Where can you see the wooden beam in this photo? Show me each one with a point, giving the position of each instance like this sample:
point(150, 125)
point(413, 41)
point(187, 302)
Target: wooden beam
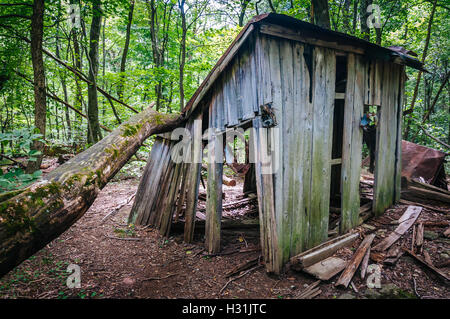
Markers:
point(322, 251)
point(214, 194)
point(405, 222)
point(288, 33)
point(350, 270)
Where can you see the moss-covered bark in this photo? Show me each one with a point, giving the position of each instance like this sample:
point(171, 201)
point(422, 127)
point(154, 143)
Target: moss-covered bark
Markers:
point(41, 212)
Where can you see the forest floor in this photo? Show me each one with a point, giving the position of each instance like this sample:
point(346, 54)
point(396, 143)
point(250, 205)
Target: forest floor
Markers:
point(119, 261)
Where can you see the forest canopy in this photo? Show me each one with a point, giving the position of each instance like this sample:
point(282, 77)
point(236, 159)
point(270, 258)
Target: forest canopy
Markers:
point(72, 71)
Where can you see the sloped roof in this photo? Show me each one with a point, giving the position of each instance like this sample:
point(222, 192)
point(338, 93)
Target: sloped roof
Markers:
point(303, 30)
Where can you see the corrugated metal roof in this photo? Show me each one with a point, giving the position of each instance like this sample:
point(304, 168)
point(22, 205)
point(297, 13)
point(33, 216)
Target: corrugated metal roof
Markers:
point(307, 31)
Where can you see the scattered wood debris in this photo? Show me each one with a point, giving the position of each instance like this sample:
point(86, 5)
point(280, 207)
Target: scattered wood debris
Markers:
point(438, 272)
point(405, 222)
point(350, 270)
point(310, 292)
point(327, 268)
point(324, 250)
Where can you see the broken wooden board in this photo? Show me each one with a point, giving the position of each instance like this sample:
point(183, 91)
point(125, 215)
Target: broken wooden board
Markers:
point(438, 272)
point(322, 251)
point(327, 268)
point(405, 222)
point(350, 270)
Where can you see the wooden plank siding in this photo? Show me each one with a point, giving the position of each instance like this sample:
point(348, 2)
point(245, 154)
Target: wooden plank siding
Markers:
point(387, 141)
point(324, 70)
point(352, 142)
point(299, 189)
point(193, 178)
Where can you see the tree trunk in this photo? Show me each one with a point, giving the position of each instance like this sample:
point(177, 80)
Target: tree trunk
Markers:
point(244, 4)
point(419, 75)
point(94, 133)
point(40, 101)
point(63, 80)
point(123, 62)
point(321, 14)
point(44, 210)
point(182, 51)
point(363, 16)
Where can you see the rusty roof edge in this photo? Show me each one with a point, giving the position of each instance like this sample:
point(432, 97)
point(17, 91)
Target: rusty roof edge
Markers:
point(283, 19)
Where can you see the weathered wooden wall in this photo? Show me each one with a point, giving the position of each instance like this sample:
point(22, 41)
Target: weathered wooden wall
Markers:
point(293, 187)
point(167, 185)
point(388, 151)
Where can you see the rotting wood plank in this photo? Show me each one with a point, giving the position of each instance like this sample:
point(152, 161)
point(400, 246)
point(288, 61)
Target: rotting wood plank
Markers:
point(298, 149)
point(194, 179)
point(324, 68)
point(287, 33)
point(384, 177)
point(214, 193)
point(322, 251)
point(145, 181)
point(265, 190)
point(352, 266)
point(352, 144)
point(287, 138)
point(398, 150)
point(405, 222)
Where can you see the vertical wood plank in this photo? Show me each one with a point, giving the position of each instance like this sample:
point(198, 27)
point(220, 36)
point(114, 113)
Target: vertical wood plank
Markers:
point(398, 153)
point(194, 179)
point(352, 143)
point(324, 93)
point(214, 193)
point(146, 181)
point(384, 176)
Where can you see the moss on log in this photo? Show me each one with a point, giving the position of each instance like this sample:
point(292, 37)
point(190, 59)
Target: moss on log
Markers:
point(44, 210)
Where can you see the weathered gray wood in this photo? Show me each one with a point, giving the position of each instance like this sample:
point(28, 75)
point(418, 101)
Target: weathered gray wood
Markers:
point(358, 256)
point(365, 263)
point(167, 208)
point(327, 268)
point(214, 194)
point(287, 138)
point(324, 90)
point(287, 33)
point(299, 152)
point(384, 176)
point(140, 211)
point(230, 96)
point(352, 143)
point(194, 180)
point(265, 190)
point(405, 222)
point(145, 181)
point(322, 251)
point(398, 151)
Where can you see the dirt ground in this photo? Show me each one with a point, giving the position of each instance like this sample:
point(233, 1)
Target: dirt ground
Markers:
point(119, 261)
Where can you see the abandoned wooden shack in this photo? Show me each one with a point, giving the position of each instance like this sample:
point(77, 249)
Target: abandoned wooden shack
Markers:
point(302, 91)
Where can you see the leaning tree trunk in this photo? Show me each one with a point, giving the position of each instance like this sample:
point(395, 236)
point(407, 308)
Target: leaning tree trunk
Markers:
point(44, 210)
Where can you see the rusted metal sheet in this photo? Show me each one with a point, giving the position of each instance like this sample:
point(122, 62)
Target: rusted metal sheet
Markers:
point(421, 162)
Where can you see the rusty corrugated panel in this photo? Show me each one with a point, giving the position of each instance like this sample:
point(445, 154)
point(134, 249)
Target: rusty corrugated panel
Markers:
point(421, 162)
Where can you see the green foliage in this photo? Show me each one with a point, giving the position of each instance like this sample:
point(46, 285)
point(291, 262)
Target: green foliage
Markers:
point(211, 27)
point(18, 144)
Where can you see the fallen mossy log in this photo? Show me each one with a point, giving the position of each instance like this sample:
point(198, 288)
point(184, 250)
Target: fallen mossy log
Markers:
point(44, 210)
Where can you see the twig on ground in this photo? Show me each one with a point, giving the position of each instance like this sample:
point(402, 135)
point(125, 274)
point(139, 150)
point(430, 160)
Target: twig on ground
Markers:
point(158, 278)
point(238, 277)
